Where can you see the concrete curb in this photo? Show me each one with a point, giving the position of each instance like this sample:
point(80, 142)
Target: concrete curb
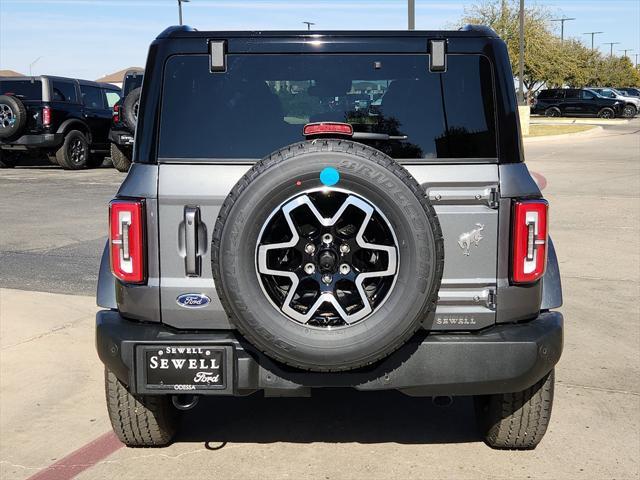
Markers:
point(539, 120)
point(543, 138)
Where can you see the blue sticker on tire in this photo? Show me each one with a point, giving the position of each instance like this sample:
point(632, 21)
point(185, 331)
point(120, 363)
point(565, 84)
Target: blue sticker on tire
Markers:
point(329, 176)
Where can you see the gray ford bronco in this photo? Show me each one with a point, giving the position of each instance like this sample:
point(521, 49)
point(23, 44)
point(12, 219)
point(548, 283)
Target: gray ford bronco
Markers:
point(334, 209)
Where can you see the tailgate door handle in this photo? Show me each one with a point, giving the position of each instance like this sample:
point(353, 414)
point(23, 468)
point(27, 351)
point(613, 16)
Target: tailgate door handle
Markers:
point(192, 259)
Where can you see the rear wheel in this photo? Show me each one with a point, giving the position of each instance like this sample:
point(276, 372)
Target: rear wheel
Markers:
point(629, 111)
point(516, 420)
point(606, 113)
point(552, 112)
point(139, 420)
point(74, 152)
point(119, 158)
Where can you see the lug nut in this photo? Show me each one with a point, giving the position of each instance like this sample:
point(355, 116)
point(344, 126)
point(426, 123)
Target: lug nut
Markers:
point(345, 269)
point(344, 248)
point(309, 268)
point(326, 278)
point(310, 248)
point(327, 238)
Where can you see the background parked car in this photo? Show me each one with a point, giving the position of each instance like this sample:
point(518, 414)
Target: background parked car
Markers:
point(630, 91)
point(557, 102)
point(631, 104)
point(125, 116)
point(66, 119)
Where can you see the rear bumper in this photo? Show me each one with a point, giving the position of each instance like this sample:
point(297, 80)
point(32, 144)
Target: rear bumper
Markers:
point(121, 137)
point(45, 140)
point(504, 358)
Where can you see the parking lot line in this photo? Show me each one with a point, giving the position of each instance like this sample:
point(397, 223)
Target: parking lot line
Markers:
point(80, 460)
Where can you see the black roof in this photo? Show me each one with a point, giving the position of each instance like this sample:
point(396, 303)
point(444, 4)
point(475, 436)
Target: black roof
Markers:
point(68, 79)
point(185, 31)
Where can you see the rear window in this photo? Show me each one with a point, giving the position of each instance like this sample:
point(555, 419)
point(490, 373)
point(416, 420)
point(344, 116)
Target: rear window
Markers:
point(24, 89)
point(262, 102)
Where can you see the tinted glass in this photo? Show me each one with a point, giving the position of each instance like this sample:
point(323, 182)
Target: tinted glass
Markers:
point(587, 95)
point(545, 94)
point(572, 94)
point(112, 97)
point(24, 89)
point(131, 82)
point(63, 92)
point(263, 101)
point(92, 96)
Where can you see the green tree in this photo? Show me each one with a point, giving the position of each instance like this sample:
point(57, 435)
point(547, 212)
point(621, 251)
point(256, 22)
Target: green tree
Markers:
point(541, 47)
point(548, 61)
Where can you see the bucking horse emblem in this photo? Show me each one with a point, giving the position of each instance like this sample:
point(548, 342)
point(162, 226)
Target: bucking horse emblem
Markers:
point(473, 237)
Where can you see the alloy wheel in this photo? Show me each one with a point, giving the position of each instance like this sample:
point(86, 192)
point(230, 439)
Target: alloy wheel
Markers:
point(327, 258)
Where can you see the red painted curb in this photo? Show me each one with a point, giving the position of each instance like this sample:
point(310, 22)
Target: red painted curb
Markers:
point(80, 460)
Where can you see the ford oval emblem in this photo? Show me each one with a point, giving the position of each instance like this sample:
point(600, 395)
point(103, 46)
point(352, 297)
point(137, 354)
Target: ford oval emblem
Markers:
point(193, 300)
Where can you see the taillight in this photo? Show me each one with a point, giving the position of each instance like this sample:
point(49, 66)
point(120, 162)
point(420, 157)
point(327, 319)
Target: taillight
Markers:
point(126, 240)
point(46, 116)
point(116, 114)
point(324, 128)
point(529, 240)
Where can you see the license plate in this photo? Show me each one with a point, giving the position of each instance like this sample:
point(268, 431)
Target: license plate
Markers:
point(184, 368)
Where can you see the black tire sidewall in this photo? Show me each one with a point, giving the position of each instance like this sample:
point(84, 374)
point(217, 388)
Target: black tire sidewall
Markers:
point(632, 111)
point(606, 109)
point(120, 160)
point(552, 112)
point(128, 104)
point(20, 113)
point(64, 159)
point(324, 349)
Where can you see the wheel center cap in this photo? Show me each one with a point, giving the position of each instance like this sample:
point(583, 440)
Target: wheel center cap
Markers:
point(327, 260)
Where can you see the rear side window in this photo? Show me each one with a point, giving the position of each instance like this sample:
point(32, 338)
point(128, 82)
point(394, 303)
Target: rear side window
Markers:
point(24, 89)
point(92, 97)
point(63, 92)
point(113, 97)
point(572, 94)
point(262, 102)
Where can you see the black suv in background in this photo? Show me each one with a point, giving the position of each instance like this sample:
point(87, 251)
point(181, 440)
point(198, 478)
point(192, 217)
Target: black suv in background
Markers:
point(125, 116)
point(66, 119)
point(558, 102)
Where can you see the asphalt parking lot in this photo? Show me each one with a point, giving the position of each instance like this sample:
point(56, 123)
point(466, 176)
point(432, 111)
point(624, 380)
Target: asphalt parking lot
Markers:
point(53, 226)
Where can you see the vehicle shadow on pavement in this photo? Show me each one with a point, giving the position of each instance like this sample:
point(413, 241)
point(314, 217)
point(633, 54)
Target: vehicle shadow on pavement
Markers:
point(332, 416)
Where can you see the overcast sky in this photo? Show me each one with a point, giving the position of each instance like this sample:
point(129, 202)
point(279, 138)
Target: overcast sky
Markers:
point(91, 38)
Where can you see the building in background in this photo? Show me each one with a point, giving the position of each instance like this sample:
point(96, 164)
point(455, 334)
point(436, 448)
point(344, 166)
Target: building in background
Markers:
point(118, 77)
point(10, 73)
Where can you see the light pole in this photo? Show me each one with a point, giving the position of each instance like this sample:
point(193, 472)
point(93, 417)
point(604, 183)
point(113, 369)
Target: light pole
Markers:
point(32, 64)
point(411, 14)
point(636, 55)
point(611, 44)
point(308, 24)
point(593, 34)
point(562, 20)
point(521, 56)
point(180, 2)
point(625, 50)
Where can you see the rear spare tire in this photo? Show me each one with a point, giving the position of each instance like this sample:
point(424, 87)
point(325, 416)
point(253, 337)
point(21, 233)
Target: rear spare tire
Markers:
point(131, 106)
point(327, 255)
point(13, 116)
